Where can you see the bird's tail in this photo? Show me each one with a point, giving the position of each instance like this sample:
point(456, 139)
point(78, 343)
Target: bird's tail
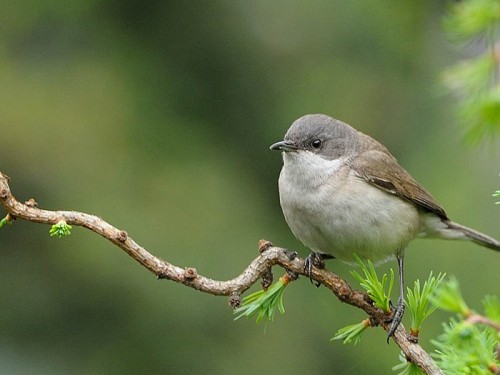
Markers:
point(478, 237)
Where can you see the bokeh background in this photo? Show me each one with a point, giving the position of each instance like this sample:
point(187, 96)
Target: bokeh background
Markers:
point(157, 116)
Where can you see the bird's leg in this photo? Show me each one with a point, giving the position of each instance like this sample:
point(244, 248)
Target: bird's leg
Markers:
point(317, 260)
point(397, 316)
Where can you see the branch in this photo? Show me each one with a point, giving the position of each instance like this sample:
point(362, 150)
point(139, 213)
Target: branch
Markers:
point(269, 256)
point(480, 319)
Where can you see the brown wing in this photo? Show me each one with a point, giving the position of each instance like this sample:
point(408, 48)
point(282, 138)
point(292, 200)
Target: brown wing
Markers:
point(382, 170)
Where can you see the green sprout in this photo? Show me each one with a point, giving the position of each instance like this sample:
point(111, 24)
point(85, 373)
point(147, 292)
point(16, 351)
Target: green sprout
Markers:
point(378, 290)
point(60, 229)
point(352, 333)
point(6, 220)
point(474, 80)
point(420, 303)
point(407, 368)
point(263, 303)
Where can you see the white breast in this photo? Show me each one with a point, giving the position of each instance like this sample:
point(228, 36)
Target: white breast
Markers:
point(329, 209)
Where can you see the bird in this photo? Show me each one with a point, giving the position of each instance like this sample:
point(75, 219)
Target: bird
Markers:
point(343, 193)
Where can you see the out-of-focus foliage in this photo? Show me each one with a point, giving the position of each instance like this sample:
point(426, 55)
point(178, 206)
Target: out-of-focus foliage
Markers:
point(468, 344)
point(450, 298)
point(475, 79)
point(157, 116)
point(465, 348)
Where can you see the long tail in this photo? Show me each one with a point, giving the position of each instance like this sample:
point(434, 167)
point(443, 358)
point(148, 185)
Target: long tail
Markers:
point(478, 237)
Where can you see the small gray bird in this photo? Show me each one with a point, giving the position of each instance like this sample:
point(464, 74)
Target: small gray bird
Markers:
point(343, 193)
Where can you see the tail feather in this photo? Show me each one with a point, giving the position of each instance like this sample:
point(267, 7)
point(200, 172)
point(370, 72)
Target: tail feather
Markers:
point(478, 237)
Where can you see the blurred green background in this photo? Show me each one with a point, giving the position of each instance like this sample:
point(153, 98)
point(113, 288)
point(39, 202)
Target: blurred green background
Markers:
point(157, 116)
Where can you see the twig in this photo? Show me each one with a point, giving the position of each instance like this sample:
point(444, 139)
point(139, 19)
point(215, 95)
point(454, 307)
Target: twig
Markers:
point(269, 256)
point(480, 319)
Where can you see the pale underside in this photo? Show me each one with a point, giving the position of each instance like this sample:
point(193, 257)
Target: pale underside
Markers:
point(331, 209)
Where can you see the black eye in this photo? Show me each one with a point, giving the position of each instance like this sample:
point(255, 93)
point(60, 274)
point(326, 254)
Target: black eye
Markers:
point(316, 144)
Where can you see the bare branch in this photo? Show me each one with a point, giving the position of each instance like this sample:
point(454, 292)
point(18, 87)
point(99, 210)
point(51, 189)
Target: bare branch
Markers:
point(269, 256)
point(480, 319)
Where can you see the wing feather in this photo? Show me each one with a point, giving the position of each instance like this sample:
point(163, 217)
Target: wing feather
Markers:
point(383, 171)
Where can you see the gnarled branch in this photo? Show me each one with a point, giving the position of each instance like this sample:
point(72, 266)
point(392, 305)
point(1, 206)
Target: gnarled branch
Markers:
point(269, 256)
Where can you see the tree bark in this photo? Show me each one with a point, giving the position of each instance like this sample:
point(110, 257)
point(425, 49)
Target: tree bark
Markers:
point(269, 256)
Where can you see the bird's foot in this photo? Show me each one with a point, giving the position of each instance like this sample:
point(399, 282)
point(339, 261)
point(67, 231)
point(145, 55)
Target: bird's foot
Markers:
point(315, 259)
point(396, 318)
point(291, 254)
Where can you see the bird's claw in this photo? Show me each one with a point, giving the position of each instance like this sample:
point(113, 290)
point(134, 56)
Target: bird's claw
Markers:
point(315, 259)
point(396, 318)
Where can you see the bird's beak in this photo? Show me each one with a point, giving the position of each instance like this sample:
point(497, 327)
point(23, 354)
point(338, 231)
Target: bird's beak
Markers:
point(284, 146)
